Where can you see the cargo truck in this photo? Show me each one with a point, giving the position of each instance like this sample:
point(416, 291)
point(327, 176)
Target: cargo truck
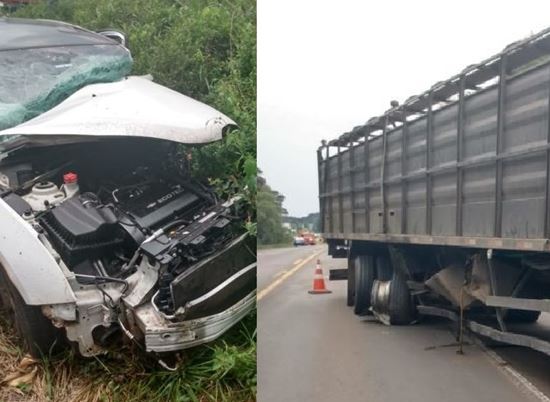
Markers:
point(441, 205)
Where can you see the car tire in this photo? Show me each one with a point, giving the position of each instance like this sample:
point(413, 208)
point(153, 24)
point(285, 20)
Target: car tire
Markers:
point(39, 336)
point(364, 278)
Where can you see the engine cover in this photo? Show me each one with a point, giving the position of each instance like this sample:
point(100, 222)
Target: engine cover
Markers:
point(82, 231)
point(155, 203)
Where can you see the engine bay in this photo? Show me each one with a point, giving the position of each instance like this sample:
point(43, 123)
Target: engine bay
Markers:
point(108, 206)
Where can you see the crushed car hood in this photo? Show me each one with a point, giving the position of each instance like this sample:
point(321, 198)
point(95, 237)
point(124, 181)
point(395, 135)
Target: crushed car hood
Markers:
point(133, 107)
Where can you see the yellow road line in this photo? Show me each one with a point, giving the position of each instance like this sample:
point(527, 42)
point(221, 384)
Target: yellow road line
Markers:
point(265, 291)
point(279, 273)
point(299, 260)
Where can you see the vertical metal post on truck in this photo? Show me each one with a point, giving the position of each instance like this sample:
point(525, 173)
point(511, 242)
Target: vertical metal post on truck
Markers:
point(459, 153)
point(429, 136)
point(499, 145)
point(340, 191)
point(366, 169)
point(383, 177)
point(352, 183)
point(321, 190)
point(404, 134)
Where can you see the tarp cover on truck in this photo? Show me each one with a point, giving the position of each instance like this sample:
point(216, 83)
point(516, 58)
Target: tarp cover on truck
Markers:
point(33, 81)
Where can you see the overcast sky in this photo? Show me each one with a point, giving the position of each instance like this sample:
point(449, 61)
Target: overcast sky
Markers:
point(325, 67)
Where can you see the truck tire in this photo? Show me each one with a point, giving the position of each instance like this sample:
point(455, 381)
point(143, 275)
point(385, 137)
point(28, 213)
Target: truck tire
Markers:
point(391, 299)
point(364, 278)
point(39, 336)
point(350, 301)
point(402, 308)
point(522, 316)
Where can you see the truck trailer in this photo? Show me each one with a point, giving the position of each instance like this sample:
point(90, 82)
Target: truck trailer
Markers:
point(441, 204)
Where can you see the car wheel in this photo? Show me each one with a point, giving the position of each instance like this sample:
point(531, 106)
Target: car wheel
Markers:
point(38, 334)
point(364, 278)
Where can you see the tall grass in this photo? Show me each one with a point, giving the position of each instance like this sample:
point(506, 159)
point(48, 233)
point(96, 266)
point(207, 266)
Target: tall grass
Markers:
point(222, 371)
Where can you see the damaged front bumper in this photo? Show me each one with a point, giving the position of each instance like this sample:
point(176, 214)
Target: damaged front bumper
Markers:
point(165, 335)
point(208, 299)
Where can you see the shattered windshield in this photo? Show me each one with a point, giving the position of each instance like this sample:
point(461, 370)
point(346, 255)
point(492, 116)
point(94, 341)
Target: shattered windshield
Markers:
point(33, 81)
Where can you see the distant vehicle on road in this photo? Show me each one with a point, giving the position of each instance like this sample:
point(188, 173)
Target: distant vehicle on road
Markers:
point(299, 241)
point(309, 239)
point(442, 204)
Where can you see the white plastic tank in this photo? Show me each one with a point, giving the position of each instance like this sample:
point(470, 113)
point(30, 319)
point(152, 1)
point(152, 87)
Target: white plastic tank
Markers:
point(43, 194)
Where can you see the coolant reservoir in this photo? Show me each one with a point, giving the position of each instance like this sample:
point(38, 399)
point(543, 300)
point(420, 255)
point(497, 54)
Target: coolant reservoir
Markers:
point(43, 194)
point(70, 186)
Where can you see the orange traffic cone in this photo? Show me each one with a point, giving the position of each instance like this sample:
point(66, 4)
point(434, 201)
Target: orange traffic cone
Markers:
point(319, 281)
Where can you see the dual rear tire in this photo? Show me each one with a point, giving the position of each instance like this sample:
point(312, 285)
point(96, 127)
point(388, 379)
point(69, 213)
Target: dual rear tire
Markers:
point(374, 286)
point(364, 275)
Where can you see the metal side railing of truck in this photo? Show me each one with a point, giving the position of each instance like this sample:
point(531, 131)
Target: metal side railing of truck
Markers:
point(442, 204)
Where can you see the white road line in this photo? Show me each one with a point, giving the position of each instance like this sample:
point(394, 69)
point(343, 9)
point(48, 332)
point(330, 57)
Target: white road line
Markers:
point(522, 383)
point(265, 291)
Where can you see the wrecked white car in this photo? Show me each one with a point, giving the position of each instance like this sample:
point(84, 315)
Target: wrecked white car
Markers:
point(102, 230)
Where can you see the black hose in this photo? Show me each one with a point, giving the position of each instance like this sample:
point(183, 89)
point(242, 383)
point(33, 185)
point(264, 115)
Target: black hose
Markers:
point(105, 279)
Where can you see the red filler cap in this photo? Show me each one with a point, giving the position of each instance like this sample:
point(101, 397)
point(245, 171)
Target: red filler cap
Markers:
point(69, 178)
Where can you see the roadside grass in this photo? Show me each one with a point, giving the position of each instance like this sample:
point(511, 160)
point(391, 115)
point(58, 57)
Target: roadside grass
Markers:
point(221, 371)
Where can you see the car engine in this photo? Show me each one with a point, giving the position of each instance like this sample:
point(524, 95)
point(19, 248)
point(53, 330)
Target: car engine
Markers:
point(103, 229)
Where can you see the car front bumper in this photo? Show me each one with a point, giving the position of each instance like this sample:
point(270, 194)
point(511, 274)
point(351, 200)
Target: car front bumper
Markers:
point(165, 335)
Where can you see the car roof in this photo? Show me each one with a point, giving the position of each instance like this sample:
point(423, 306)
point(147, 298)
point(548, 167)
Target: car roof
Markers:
point(18, 33)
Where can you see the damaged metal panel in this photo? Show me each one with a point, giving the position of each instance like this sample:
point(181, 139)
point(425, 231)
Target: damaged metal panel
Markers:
point(134, 107)
point(449, 281)
point(490, 332)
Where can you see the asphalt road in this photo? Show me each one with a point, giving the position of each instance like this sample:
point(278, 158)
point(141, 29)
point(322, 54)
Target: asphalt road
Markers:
point(313, 348)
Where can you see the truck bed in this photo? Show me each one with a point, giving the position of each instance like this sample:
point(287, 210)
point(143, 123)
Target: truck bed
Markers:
point(465, 164)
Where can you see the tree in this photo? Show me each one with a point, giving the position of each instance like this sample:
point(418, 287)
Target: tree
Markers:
point(270, 215)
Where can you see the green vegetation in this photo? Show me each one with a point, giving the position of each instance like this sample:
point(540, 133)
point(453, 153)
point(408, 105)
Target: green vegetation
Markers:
point(206, 50)
point(270, 216)
point(223, 371)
